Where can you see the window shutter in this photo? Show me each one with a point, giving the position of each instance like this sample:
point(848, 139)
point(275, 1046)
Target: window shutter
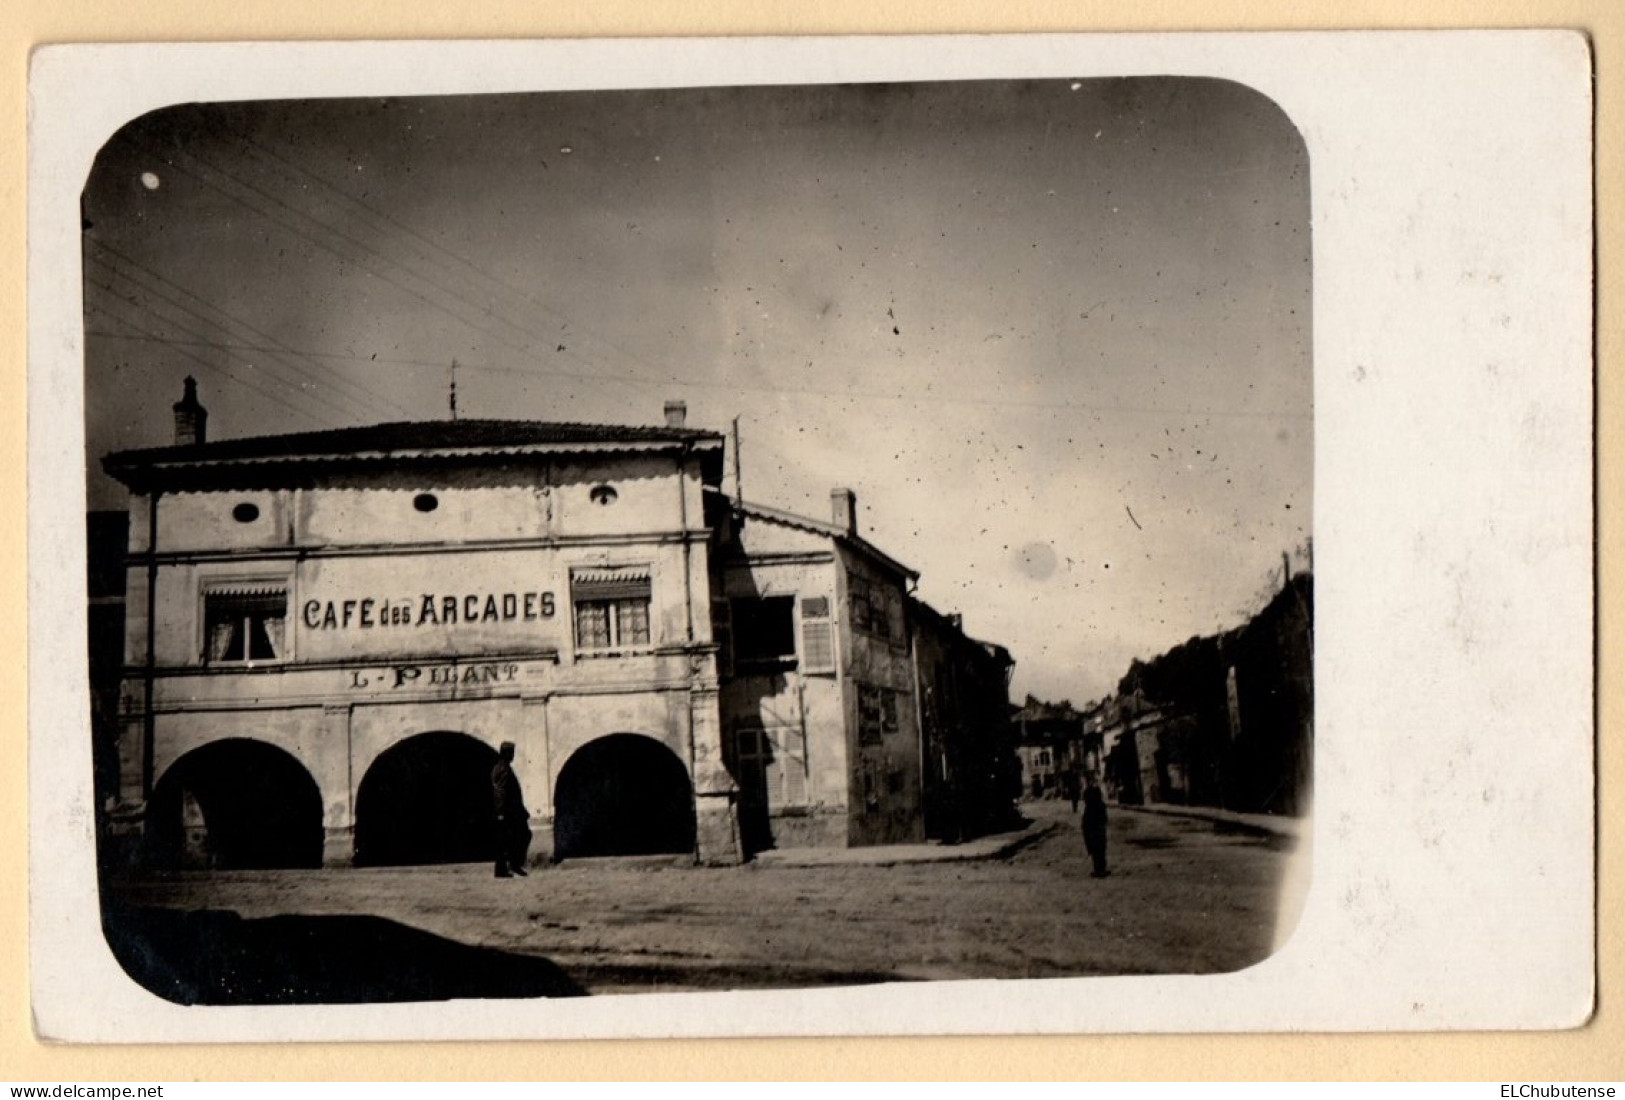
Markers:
point(817, 635)
point(788, 773)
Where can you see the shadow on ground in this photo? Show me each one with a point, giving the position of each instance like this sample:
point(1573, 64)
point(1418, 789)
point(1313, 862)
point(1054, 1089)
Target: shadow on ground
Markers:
point(212, 957)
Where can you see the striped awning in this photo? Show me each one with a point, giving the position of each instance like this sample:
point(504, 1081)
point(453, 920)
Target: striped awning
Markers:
point(262, 589)
point(610, 583)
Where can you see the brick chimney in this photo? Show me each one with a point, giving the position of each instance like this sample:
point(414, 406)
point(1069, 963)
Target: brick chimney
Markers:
point(191, 418)
point(676, 414)
point(843, 510)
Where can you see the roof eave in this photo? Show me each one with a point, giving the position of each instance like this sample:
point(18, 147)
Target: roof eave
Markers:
point(829, 530)
point(133, 466)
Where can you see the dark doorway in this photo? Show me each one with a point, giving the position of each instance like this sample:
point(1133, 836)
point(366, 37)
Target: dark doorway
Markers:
point(747, 755)
point(623, 795)
point(426, 800)
point(235, 804)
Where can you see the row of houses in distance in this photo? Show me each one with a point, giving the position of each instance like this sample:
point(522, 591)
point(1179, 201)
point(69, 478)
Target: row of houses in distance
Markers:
point(1224, 720)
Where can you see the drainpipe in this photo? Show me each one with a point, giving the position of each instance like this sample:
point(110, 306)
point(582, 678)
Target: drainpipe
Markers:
point(688, 611)
point(148, 718)
point(682, 507)
point(919, 706)
point(693, 779)
point(806, 742)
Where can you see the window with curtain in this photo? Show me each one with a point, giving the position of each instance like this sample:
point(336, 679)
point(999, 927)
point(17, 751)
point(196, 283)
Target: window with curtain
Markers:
point(245, 623)
point(611, 608)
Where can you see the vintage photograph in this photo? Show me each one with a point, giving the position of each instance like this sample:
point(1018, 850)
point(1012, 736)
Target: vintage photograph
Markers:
point(696, 539)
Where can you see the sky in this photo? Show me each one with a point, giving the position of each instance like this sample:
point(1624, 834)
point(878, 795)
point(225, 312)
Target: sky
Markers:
point(1055, 334)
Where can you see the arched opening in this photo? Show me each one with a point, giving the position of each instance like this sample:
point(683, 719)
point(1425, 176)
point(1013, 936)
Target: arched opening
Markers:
point(426, 800)
point(235, 804)
point(623, 795)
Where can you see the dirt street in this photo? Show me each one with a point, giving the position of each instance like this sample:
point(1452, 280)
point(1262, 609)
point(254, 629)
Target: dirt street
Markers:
point(1182, 897)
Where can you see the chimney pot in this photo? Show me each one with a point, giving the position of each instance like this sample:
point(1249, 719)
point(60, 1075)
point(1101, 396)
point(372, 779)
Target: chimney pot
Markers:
point(191, 418)
point(843, 510)
point(676, 414)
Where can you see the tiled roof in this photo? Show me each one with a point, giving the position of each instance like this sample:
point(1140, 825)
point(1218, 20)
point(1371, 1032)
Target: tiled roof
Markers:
point(819, 527)
point(410, 437)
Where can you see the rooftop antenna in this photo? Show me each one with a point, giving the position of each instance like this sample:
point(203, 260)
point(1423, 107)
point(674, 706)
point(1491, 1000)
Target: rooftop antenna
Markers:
point(454, 387)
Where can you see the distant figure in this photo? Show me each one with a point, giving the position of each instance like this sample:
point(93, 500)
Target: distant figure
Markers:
point(513, 820)
point(1094, 827)
point(1069, 787)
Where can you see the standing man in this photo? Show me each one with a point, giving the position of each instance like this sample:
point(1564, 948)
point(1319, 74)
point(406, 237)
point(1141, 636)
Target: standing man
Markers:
point(1094, 826)
point(513, 820)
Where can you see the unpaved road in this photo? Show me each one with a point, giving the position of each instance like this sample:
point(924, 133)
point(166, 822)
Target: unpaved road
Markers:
point(1182, 898)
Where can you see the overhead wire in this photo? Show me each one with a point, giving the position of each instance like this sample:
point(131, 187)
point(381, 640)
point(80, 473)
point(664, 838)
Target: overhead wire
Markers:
point(528, 335)
point(523, 297)
point(364, 256)
point(360, 397)
point(324, 401)
point(600, 376)
point(222, 369)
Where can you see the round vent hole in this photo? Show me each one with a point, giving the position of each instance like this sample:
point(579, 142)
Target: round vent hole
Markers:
point(245, 512)
point(425, 502)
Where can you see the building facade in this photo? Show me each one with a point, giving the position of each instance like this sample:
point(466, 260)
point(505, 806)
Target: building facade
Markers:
point(329, 634)
point(1052, 746)
point(1222, 720)
point(971, 773)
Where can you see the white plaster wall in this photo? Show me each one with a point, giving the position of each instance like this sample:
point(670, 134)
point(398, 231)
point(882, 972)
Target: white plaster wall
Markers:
point(204, 521)
point(647, 496)
point(375, 729)
point(369, 515)
point(819, 701)
point(518, 586)
point(298, 731)
point(575, 720)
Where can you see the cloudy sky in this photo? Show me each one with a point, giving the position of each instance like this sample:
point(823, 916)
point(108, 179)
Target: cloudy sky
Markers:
point(1056, 334)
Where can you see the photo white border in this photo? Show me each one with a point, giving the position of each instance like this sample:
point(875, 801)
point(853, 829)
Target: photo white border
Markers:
point(1453, 844)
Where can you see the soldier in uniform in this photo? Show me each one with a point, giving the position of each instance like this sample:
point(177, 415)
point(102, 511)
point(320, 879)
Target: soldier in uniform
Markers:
point(512, 819)
point(1094, 826)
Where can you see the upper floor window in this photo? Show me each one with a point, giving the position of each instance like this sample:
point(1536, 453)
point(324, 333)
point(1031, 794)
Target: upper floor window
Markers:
point(877, 713)
point(611, 607)
point(245, 623)
point(873, 608)
point(764, 632)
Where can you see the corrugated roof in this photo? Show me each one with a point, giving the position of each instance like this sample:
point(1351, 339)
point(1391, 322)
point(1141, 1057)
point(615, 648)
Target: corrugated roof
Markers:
point(417, 438)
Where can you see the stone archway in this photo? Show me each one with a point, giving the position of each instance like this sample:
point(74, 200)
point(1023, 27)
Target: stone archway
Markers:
point(235, 804)
point(426, 799)
point(625, 794)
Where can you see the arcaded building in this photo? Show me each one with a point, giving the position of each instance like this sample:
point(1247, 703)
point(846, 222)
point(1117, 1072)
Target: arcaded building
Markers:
point(329, 634)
